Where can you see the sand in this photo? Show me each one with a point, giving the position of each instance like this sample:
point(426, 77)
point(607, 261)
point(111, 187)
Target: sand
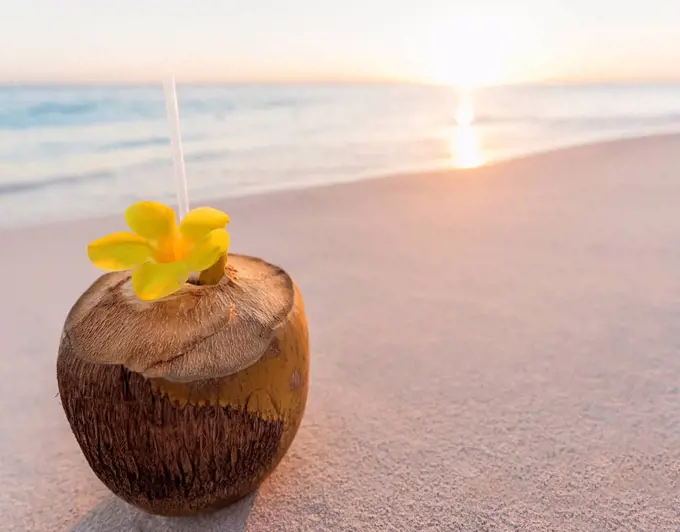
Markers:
point(493, 349)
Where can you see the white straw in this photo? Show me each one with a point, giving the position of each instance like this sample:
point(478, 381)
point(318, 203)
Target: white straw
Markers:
point(176, 141)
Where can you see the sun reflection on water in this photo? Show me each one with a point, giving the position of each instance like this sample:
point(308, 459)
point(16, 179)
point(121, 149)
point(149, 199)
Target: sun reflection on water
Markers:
point(466, 150)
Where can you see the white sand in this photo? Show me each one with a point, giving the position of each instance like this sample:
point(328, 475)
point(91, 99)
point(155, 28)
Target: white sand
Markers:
point(495, 349)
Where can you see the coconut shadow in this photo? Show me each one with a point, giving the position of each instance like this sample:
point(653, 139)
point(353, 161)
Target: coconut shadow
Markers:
point(115, 515)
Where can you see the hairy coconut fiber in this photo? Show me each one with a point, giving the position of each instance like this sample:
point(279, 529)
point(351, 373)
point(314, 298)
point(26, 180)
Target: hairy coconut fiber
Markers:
point(186, 403)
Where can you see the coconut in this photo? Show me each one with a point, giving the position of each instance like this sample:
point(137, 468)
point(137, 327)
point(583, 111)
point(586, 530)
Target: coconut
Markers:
point(186, 403)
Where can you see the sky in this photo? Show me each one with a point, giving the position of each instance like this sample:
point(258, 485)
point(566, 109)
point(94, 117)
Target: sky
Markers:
point(466, 42)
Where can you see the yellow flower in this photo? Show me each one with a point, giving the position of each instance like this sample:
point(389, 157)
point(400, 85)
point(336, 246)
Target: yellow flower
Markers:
point(162, 253)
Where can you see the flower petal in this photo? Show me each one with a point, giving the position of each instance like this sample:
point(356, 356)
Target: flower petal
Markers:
point(151, 220)
point(153, 281)
point(207, 250)
point(199, 222)
point(119, 251)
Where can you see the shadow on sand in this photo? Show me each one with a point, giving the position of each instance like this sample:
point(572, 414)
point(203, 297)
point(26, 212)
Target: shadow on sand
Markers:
point(114, 515)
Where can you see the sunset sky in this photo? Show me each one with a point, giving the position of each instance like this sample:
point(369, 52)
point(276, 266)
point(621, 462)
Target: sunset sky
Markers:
point(463, 42)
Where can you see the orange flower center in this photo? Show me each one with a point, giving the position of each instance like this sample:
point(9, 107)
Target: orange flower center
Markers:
point(171, 249)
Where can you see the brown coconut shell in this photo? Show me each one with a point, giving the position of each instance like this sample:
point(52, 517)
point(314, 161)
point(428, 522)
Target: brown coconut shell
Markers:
point(186, 403)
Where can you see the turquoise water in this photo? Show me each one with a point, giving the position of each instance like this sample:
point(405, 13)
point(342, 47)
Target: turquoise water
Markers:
point(71, 152)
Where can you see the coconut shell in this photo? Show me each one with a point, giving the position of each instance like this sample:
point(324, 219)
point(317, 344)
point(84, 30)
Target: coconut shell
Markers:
point(201, 417)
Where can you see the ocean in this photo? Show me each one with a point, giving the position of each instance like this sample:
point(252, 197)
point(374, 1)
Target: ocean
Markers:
point(70, 152)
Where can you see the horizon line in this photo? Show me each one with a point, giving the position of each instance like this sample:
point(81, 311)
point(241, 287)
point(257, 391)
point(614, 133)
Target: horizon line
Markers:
point(327, 82)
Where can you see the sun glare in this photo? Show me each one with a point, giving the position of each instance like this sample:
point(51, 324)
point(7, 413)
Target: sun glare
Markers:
point(470, 51)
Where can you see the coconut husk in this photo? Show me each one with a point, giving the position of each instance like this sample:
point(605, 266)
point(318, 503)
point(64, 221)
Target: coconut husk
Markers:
point(197, 333)
point(175, 444)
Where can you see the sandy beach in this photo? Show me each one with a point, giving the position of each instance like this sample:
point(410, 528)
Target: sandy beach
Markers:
point(492, 349)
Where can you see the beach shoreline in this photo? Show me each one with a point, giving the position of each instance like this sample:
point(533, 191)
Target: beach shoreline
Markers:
point(79, 152)
point(492, 348)
point(372, 176)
